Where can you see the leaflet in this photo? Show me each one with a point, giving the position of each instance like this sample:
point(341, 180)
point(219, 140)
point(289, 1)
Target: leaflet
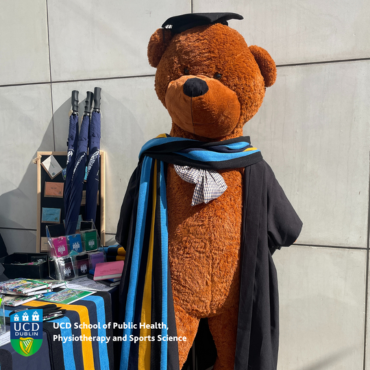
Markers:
point(66, 296)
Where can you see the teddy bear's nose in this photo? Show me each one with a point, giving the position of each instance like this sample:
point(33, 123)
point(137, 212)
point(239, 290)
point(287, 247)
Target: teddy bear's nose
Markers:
point(195, 87)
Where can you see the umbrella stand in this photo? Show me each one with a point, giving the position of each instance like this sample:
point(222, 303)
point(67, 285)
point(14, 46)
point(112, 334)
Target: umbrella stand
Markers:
point(78, 174)
point(92, 184)
point(72, 148)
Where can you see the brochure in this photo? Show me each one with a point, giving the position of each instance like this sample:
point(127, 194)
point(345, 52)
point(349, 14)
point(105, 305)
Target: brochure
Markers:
point(54, 283)
point(54, 189)
point(66, 296)
point(108, 270)
point(22, 286)
point(51, 166)
point(53, 316)
point(15, 301)
point(85, 283)
point(30, 294)
point(108, 282)
point(5, 339)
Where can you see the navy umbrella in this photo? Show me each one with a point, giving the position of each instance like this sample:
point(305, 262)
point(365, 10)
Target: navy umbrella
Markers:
point(72, 148)
point(78, 174)
point(92, 184)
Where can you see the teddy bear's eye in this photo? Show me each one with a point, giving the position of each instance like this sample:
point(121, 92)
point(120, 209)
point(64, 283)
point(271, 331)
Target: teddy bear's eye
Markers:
point(217, 76)
point(186, 71)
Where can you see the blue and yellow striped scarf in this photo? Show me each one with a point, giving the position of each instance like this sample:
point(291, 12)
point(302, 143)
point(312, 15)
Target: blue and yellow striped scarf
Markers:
point(146, 285)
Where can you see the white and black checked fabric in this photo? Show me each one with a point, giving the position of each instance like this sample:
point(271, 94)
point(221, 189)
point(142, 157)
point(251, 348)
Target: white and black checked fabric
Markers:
point(209, 184)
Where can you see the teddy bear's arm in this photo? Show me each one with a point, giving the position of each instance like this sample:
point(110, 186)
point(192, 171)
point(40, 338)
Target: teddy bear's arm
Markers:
point(283, 223)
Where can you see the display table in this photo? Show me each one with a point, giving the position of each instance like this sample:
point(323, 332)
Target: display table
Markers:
point(97, 310)
point(75, 355)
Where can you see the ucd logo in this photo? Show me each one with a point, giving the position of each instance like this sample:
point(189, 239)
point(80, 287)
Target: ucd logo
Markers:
point(26, 331)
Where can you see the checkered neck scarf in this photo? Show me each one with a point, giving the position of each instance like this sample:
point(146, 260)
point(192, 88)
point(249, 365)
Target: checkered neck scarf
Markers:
point(209, 184)
point(198, 162)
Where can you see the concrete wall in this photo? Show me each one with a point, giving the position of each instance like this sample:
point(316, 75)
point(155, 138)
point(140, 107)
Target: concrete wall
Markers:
point(313, 128)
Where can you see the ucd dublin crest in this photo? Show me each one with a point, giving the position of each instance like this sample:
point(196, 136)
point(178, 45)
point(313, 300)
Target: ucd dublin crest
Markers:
point(26, 331)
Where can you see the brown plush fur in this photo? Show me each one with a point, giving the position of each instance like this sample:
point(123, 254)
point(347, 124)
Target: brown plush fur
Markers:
point(204, 240)
point(266, 64)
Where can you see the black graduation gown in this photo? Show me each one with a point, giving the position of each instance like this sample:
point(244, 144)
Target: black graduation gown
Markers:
point(269, 222)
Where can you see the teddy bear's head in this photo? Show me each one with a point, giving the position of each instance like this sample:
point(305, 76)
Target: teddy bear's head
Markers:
point(209, 80)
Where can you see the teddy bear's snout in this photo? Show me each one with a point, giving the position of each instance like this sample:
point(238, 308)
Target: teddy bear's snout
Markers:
point(202, 105)
point(194, 87)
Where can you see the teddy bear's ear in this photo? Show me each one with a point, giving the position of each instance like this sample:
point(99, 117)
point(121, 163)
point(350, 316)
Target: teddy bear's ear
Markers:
point(157, 45)
point(266, 64)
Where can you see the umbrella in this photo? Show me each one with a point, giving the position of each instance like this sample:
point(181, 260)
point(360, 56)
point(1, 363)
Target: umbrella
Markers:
point(78, 174)
point(72, 148)
point(92, 183)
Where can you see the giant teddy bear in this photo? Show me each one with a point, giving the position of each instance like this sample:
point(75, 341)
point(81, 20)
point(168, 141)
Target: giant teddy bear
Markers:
point(218, 247)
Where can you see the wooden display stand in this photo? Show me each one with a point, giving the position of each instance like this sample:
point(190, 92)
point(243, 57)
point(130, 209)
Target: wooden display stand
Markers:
point(42, 201)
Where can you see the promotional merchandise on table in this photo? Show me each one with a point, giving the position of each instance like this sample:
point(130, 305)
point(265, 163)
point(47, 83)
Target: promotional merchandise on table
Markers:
point(75, 313)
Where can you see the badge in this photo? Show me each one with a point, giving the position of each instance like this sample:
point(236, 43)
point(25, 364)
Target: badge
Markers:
point(26, 331)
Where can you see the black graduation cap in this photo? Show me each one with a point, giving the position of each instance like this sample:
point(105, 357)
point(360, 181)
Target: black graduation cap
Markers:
point(181, 23)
